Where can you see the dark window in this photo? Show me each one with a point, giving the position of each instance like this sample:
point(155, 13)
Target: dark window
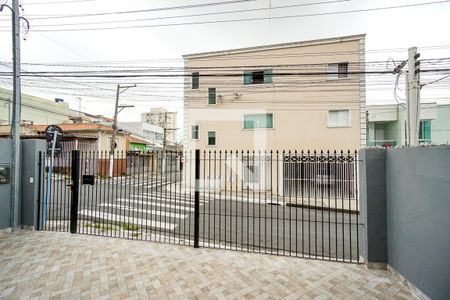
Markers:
point(194, 132)
point(211, 95)
point(257, 77)
point(195, 80)
point(425, 131)
point(211, 138)
point(343, 70)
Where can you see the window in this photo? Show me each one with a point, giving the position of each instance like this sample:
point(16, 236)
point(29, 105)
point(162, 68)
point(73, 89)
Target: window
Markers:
point(339, 118)
point(212, 96)
point(195, 80)
point(194, 132)
point(339, 70)
point(425, 131)
point(258, 121)
point(211, 138)
point(257, 77)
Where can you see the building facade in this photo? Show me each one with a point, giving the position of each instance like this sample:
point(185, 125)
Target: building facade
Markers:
point(297, 96)
point(34, 110)
point(387, 124)
point(164, 119)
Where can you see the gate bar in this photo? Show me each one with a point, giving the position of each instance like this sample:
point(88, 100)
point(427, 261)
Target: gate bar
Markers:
point(75, 190)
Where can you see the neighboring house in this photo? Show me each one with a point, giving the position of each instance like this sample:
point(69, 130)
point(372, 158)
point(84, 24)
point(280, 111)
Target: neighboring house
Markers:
point(164, 119)
point(256, 98)
point(387, 124)
point(152, 134)
point(34, 110)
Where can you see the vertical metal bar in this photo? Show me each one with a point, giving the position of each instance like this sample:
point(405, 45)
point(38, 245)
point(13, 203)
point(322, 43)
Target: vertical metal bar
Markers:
point(290, 208)
point(214, 199)
point(349, 203)
point(225, 198)
point(150, 193)
point(335, 203)
point(197, 199)
point(231, 199)
point(342, 204)
point(284, 212)
point(329, 203)
point(190, 191)
point(278, 192)
point(75, 190)
point(242, 201)
point(357, 204)
point(209, 198)
point(315, 201)
point(296, 200)
point(236, 202)
point(302, 188)
point(259, 199)
point(38, 200)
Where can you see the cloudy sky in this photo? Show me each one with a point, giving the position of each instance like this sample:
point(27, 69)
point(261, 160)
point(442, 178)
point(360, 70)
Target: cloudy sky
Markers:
point(62, 33)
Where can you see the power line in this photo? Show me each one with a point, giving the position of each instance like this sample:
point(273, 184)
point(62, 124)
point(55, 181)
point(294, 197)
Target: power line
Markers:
point(245, 19)
point(190, 6)
point(58, 2)
point(191, 15)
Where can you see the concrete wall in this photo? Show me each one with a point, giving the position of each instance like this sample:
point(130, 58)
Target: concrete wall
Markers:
point(418, 217)
point(405, 208)
point(5, 189)
point(29, 175)
point(373, 205)
point(30, 180)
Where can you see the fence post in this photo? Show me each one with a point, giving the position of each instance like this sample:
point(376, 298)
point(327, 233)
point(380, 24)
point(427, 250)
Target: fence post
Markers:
point(75, 190)
point(38, 200)
point(197, 199)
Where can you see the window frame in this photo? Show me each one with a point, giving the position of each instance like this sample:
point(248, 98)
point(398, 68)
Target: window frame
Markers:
point(337, 76)
point(349, 119)
point(198, 133)
point(258, 128)
point(195, 75)
point(267, 73)
point(215, 96)
point(422, 130)
point(215, 137)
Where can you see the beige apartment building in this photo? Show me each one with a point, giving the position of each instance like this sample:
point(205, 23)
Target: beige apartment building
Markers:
point(307, 95)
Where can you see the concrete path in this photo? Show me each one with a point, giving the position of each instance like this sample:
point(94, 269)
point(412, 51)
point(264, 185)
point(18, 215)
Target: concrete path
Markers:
point(52, 265)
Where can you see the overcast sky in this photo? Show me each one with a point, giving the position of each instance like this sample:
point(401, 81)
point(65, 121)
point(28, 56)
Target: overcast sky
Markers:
point(422, 26)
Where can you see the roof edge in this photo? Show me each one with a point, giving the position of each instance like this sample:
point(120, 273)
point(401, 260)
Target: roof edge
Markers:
point(278, 46)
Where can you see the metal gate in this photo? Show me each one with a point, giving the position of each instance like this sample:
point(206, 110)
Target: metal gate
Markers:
point(301, 204)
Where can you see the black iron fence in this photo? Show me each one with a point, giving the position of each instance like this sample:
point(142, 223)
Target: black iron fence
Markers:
point(278, 202)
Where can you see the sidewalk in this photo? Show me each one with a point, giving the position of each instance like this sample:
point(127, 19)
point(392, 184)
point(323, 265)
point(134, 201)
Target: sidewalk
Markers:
point(43, 265)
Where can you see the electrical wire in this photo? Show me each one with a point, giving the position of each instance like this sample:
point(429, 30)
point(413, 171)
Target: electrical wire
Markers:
point(240, 19)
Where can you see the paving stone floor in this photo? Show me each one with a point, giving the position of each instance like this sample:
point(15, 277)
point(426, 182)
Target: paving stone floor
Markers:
point(50, 265)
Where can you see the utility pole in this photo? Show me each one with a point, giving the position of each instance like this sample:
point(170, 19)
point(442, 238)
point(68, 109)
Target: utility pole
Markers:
point(116, 112)
point(166, 132)
point(413, 93)
point(15, 124)
point(79, 107)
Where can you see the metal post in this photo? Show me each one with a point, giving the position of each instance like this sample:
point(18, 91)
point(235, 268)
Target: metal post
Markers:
point(38, 200)
point(15, 124)
point(75, 190)
point(414, 96)
point(197, 199)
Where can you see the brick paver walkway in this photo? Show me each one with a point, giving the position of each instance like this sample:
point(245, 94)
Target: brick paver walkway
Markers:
point(63, 266)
